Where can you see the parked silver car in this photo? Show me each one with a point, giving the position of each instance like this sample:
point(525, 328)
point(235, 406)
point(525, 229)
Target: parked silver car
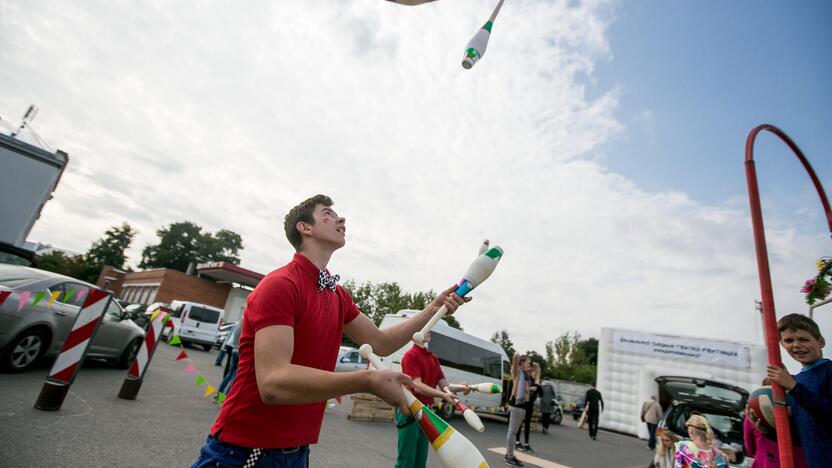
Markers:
point(41, 329)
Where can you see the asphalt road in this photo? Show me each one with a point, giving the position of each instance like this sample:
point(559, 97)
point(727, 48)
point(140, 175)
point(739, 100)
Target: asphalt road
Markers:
point(168, 422)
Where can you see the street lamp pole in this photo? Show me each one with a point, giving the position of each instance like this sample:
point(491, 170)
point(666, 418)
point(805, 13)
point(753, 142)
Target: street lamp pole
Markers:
point(784, 439)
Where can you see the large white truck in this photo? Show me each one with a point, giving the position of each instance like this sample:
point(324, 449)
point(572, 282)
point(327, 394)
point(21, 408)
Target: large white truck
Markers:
point(28, 176)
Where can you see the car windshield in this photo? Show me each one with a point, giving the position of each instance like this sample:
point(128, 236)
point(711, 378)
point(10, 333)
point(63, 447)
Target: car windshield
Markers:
point(204, 315)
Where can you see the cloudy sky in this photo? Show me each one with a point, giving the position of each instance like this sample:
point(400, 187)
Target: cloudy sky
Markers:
point(599, 143)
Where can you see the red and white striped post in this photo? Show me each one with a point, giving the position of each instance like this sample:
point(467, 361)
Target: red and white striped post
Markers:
point(133, 381)
point(72, 354)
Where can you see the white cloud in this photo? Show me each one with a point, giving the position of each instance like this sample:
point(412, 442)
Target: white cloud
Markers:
point(228, 116)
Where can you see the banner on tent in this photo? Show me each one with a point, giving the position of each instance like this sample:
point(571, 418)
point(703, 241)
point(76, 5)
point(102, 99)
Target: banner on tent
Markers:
point(700, 351)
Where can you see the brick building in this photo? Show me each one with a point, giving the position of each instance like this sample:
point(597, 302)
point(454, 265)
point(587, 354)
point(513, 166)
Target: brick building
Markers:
point(218, 284)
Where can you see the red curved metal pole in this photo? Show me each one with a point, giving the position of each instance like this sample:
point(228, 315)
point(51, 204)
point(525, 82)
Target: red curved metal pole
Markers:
point(784, 438)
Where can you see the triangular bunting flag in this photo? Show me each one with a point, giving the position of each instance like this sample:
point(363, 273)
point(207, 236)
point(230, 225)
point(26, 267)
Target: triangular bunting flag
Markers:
point(54, 297)
point(209, 390)
point(4, 295)
point(182, 355)
point(199, 381)
point(80, 298)
point(24, 298)
point(338, 399)
point(155, 314)
point(38, 297)
point(220, 397)
point(175, 341)
point(69, 295)
point(190, 369)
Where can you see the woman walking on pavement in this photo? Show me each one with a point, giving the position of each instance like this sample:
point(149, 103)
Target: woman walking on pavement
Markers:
point(519, 394)
point(534, 391)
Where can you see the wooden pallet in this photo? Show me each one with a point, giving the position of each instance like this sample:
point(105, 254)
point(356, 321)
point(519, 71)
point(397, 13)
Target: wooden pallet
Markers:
point(370, 408)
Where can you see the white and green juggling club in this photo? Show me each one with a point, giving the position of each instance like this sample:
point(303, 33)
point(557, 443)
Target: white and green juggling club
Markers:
point(478, 272)
point(476, 46)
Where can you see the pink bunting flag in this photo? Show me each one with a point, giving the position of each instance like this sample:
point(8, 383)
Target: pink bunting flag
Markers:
point(82, 293)
point(23, 299)
point(190, 369)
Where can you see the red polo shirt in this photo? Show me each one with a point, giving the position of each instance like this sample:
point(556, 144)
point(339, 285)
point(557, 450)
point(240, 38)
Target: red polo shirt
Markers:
point(287, 296)
point(418, 362)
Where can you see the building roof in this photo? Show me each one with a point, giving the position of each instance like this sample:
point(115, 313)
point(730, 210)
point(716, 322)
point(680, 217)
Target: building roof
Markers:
point(227, 271)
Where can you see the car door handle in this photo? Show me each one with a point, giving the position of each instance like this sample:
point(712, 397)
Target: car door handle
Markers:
point(59, 312)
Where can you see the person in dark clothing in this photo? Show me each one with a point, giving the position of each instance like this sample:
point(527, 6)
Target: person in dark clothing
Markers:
point(594, 405)
point(534, 392)
point(547, 404)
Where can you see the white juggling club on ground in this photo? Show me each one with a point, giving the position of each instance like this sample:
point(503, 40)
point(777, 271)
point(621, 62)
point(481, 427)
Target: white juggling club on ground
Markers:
point(478, 272)
point(476, 46)
point(452, 448)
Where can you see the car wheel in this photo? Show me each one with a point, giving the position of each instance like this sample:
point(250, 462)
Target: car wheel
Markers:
point(24, 350)
point(557, 417)
point(207, 347)
point(446, 412)
point(129, 354)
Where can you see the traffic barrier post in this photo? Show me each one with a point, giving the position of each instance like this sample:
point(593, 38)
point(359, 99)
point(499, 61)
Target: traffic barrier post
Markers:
point(73, 352)
point(133, 382)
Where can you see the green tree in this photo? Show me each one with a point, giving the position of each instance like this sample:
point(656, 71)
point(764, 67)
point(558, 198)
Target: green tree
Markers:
point(550, 358)
point(378, 300)
point(184, 242)
point(109, 250)
point(589, 349)
point(501, 338)
point(223, 246)
point(574, 359)
point(76, 266)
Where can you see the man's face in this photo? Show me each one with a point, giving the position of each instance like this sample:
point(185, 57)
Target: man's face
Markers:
point(329, 227)
point(802, 346)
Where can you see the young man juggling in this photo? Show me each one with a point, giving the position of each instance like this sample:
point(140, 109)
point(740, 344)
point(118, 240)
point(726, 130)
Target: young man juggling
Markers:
point(292, 329)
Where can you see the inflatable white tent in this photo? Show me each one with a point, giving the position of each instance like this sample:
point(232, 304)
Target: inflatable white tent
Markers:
point(629, 362)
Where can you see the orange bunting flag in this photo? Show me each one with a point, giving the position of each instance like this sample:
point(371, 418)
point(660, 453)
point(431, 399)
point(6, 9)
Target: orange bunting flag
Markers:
point(209, 390)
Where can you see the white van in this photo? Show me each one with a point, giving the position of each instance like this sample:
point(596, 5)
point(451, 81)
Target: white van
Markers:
point(196, 323)
point(464, 359)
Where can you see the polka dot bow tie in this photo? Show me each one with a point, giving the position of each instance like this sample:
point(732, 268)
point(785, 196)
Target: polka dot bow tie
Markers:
point(327, 281)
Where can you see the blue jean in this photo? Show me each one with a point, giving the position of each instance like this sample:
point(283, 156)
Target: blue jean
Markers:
point(225, 385)
point(651, 440)
point(219, 454)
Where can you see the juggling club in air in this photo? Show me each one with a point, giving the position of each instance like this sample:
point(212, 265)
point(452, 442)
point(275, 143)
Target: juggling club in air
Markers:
point(470, 416)
point(452, 448)
point(477, 45)
point(478, 272)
